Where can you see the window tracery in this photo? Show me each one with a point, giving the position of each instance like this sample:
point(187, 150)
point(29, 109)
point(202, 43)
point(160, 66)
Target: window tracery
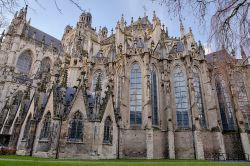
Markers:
point(154, 96)
point(225, 104)
point(76, 127)
point(199, 98)
point(135, 95)
point(24, 62)
point(181, 98)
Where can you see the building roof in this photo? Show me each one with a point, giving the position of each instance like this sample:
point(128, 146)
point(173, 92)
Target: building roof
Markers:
point(41, 36)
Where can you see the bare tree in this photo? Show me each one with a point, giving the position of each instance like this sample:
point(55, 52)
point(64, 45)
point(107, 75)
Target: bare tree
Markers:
point(8, 7)
point(229, 19)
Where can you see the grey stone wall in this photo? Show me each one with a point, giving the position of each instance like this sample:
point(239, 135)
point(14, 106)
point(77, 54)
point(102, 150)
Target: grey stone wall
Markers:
point(184, 145)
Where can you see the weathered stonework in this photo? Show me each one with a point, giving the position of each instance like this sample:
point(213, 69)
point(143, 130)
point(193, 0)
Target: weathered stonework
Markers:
point(136, 93)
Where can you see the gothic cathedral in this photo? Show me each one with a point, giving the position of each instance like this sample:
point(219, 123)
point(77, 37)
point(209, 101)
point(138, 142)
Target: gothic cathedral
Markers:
point(134, 92)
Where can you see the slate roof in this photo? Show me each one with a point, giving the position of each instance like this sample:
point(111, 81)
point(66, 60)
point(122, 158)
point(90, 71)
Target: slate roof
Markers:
point(40, 35)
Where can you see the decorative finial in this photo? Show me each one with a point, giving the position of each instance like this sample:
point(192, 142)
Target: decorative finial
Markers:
point(167, 31)
point(34, 35)
point(43, 40)
point(190, 30)
point(154, 15)
point(132, 20)
point(29, 21)
point(16, 14)
point(122, 19)
point(26, 7)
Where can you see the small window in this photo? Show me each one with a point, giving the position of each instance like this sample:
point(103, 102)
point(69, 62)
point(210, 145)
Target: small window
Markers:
point(76, 127)
point(108, 129)
point(45, 132)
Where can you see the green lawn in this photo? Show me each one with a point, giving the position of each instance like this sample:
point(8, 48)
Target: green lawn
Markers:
point(32, 161)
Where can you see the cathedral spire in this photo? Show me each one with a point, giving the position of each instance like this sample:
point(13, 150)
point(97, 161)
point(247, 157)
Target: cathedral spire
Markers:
point(182, 29)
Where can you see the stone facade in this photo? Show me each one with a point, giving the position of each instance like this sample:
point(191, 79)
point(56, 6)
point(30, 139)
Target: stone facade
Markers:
point(136, 93)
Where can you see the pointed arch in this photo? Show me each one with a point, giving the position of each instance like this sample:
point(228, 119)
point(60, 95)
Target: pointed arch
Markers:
point(24, 62)
point(154, 95)
point(181, 98)
point(108, 131)
point(225, 104)
point(45, 132)
point(135, 95)
point(199, 97)
point(76, 127)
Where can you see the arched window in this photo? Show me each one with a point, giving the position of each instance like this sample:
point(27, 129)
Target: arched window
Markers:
point(94, 80)
point(243, 99)
point(154, 96)
point(225, 104)
point(24, 62)
point(108, 128)
point(45, 65)
point(181, 98)
point(76, 127)
point(27, 128)
point(135, 95)
point(46, 126)
point(198, 97)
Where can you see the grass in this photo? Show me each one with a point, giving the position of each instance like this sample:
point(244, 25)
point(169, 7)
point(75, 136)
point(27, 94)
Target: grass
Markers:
point(34, 161)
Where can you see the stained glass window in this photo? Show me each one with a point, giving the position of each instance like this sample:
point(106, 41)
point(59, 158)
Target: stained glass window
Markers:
point(24, 62)
point(225, 104)
point(76, 127)
point(108, 128)
point(135, 95)
point(154, 96)
point(181, 99)
point(198, 98)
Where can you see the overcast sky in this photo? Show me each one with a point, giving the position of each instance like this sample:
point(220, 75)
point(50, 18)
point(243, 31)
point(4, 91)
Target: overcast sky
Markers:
point(47, 18)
